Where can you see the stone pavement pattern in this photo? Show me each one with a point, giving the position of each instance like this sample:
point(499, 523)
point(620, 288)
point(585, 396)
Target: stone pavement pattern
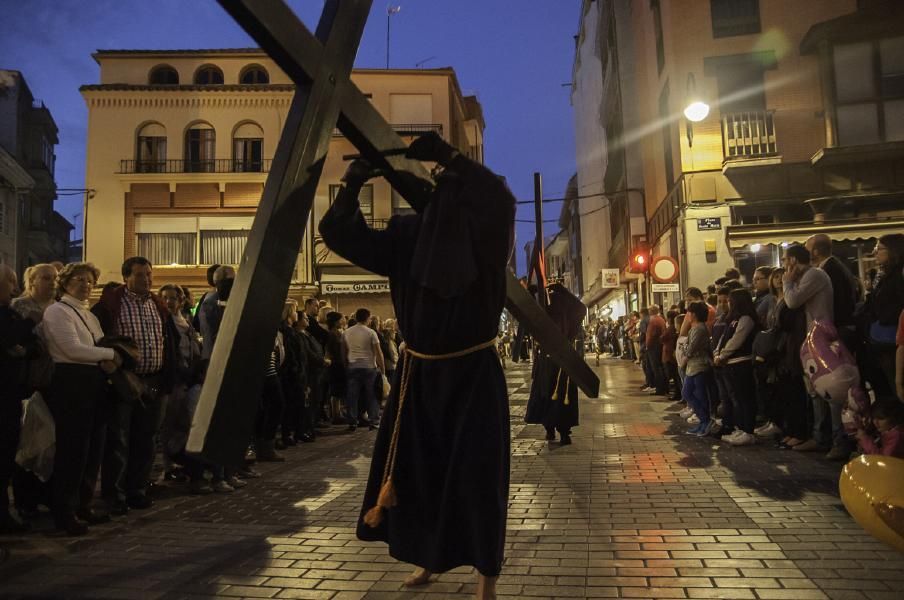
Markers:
point(631, 510)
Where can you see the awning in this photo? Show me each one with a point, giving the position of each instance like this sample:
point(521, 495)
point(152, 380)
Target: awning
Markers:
point(739, 236)
point(353, 283)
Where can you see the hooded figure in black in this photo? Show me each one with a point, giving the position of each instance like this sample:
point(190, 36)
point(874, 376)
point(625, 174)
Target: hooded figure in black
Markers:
point(553, 400)
point(438, 486)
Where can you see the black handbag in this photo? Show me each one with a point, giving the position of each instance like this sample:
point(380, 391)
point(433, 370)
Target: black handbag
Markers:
point(767, 345)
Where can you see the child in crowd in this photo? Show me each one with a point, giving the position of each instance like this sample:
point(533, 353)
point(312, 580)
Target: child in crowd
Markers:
point(888, 417)
point(698, 369)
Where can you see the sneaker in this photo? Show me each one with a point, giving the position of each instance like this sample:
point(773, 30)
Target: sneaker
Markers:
point(743, 439)
point(200, 487)
point(704, 428)
point(694, 430)
point(247, 473)
point(693, 420)
point(221, 487)
point(235, 482)
point(728, 437)
point(685, 412)
point(770, 429)
point(648, 389)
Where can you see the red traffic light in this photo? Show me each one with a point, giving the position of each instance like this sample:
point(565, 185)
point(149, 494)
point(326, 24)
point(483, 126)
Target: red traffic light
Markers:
point(640, 260)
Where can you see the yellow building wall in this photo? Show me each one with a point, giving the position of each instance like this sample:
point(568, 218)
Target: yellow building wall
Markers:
point(116, 116)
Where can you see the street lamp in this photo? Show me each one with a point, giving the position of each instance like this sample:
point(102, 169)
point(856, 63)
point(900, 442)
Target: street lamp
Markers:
point(390, 10)
point(696, 109)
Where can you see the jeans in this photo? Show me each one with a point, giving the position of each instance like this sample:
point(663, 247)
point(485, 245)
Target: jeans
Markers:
point(718, 396)
point(130, 450)
point(657, 370)
point(694, 392)
point(361, 391)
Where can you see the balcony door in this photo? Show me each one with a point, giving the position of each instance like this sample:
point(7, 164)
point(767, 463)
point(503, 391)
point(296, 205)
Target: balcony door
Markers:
point(748, 129)
point(248, 148)
point(200, 143)
point(151, 154)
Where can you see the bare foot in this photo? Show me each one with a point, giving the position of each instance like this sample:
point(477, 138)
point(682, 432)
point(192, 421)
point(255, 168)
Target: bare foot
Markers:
point(486, 588)
point(419, 577)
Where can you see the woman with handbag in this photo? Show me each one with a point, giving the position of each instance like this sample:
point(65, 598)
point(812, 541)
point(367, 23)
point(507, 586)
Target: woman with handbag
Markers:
point(78, 393)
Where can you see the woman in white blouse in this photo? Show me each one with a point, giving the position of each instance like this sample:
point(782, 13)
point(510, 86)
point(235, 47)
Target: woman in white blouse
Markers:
point(77, 395)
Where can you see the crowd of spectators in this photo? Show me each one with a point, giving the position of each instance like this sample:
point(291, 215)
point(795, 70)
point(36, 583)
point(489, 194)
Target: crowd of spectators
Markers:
point(119, 375)
point(732, 353)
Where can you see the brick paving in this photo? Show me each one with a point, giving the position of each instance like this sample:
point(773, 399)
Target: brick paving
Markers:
point(632, 509)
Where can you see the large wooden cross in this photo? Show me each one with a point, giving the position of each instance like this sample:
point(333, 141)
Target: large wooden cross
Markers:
point(320, 64)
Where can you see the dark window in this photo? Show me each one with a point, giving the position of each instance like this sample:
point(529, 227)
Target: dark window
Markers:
point(741, 88)
point(254, 76)
point(247, 154)
point(199, 149)
point(209, 75)
point(151, 154)
point(164, 76)
point(735, 17)
point(869, 91)
point(660, 42)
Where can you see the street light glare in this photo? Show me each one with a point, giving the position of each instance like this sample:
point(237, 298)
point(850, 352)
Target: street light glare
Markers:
point(696, 111)
point(755, 248)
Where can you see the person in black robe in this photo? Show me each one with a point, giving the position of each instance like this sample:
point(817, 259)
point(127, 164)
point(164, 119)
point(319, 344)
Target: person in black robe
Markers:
point(439, 478)
point(553, 400)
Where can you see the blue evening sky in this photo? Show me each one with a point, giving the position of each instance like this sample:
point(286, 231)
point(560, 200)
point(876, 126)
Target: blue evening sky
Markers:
point(514, 54)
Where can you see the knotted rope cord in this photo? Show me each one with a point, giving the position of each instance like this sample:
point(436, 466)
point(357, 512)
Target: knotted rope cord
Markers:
point(387, 497)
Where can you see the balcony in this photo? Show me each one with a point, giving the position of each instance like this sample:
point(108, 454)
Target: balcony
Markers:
point(411, 129)
point(748, 137)
point(218, 165)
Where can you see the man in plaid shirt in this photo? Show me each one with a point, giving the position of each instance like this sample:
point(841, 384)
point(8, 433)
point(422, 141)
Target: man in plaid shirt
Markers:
point(133, 310)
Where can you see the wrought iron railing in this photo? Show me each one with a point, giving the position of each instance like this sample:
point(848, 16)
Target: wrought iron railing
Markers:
point(218, 165)
point(749, 134)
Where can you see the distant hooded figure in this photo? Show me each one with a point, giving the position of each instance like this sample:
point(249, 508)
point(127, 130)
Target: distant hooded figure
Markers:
point(553, 400)
point(438, 486)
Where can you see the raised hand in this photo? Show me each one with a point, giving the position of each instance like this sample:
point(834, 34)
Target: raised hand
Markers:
point(359, 171)
point(431, 147)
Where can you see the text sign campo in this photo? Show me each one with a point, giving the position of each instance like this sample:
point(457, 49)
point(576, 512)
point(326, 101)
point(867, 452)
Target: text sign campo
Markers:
point(356, 287)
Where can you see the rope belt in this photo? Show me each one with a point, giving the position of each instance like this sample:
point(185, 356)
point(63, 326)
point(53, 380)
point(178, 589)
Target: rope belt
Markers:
point(387, 497)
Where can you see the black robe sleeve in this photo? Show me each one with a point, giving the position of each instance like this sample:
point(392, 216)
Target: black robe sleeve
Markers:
point(346, 233)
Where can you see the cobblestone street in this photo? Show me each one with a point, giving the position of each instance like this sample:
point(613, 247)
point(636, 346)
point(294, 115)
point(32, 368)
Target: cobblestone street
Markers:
point(631, 510)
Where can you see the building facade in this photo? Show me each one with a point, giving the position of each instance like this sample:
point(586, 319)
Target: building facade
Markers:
point(31, 232)
point(180, 144)
point(804, 132)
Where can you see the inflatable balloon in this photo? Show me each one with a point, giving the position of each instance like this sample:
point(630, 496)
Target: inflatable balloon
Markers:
point(872, 489)
point(834, 374)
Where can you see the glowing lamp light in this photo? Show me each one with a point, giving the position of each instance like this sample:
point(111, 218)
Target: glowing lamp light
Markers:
point(785, 244)
point(640, 259)
point(696, 111)
point(756, 248)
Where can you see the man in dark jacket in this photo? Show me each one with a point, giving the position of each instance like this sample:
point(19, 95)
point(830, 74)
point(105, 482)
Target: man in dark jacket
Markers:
point(133, 310)
point(844, 289)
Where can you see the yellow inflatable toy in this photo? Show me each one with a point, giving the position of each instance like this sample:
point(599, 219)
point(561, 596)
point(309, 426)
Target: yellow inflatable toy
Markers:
point(872, 489)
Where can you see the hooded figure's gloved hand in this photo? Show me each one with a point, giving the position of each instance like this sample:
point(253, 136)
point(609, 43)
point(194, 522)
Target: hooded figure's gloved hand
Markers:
point(358, 172)
point(431, 147)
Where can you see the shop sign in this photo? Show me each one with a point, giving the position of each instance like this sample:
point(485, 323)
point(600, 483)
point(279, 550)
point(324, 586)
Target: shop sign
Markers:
point(355, 287)
point(610, 278)
point(709, 223)
point(666, 287)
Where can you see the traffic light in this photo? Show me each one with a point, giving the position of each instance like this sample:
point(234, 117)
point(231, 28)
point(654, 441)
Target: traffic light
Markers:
point(640, 259)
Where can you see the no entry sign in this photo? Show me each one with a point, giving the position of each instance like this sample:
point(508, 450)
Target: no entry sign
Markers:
point(664, 269)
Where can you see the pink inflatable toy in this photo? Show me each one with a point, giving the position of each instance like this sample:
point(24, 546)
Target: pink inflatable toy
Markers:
point(833, 372)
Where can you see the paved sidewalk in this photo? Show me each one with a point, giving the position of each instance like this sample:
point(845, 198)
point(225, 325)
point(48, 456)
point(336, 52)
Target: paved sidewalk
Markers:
point(631, 510)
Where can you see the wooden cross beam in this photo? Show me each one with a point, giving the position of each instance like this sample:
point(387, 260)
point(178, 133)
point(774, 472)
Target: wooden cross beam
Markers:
point(320, 64)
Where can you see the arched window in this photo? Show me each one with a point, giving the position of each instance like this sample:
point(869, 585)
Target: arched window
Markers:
point(209, 75)
point(200, 142)
point(150, 155)
point(163, 75)
point(248, 148)
point(254, 75)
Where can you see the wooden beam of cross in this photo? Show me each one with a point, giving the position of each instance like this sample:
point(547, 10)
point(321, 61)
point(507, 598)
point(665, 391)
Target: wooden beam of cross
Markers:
point(320, 65)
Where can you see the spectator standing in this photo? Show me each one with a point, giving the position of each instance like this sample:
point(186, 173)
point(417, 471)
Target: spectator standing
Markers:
point(40, 291)
point(811, 288)
point(883, 308)
point(315, 365)
point(17, 341)
point(734, 352)
point(763, 300)
point(338, 386)
point(698, 367)
point(364, 359)
point(296, 421)
point(78, 395)
point(653, 342)
point(133, 310)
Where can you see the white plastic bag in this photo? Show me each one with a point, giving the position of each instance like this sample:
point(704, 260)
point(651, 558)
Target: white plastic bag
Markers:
point(37, 442)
